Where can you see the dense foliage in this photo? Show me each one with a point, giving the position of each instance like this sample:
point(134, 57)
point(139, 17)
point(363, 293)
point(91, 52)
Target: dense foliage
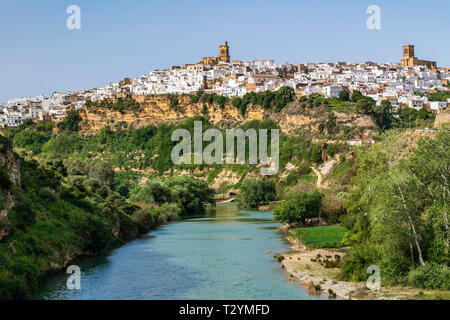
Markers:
point(255, 192)
point(399, 210)
point(267, 99)
point(299, 206)
point(121, 104)
point(63, 209)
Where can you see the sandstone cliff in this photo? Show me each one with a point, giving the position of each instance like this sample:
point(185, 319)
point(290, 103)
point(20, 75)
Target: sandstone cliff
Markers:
point(156, 109)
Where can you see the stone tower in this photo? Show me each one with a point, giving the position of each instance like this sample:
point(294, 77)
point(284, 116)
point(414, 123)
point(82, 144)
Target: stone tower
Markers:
point(409, 60)
point(224, 53)
point(408, 52)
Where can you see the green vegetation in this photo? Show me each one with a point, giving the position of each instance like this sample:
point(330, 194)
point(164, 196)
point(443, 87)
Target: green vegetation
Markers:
point(398, 208)
point(120, 104)
point(439, 96)
point(189, 194)
point(63, 209)
point(85, 194)
point(298, 207)
point(256, 192)
point(267, 99)
point(321, 237)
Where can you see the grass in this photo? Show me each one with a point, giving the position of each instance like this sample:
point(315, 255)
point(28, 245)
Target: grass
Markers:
point(321, 237)
point(341, 106)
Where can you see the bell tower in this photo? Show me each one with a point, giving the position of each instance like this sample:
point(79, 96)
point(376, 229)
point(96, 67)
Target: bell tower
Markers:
point(408, 51)
point(224, 53)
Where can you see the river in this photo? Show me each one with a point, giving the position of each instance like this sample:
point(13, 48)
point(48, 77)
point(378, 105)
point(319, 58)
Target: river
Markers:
point(220, 255)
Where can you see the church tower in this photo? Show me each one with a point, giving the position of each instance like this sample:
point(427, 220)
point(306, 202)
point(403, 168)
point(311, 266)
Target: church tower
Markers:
point(224, 53)
point(408, 52)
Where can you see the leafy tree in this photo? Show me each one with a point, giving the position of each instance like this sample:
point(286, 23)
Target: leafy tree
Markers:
point(344, 95)
point(399, 205)
point(365, 105)
point(298, 207)
point(356, 95)
point(190, 194)
point(31, 140)
point(283, 97)
point(71, 121)
point(254, 192)
point(383, 114)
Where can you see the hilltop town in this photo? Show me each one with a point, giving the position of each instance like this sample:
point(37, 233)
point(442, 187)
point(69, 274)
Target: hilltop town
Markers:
point(403, 84)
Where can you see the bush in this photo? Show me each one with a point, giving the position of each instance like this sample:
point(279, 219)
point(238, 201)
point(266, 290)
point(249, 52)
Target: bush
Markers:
point(144, 220)
point(430, 276)
point(356, 262)
point(299, 206)
point(254, 192)
point(71, 121)
point(47, 194)
point(23, 213)
point(171, 210)
point(166, 212)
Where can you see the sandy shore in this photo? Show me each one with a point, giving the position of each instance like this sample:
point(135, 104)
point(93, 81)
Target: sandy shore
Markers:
point(303, 265)
point(311, 274)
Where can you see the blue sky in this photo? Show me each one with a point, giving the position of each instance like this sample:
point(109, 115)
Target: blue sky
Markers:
point(120, 38)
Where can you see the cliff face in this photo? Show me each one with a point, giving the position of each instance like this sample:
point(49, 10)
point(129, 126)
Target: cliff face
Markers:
point(157, 109)
point(10, 177)
point(442, 118)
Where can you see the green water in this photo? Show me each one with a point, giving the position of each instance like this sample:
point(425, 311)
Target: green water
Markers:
point(217, 256)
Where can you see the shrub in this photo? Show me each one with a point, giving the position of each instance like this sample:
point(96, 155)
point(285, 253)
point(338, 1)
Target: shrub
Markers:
point(171, 210)
point(299, 206)
point(254, 192)
point(71, 121)
point(356, 262)
point(144, 220)
point(23, 213)
point(430, 276)
point(47, 194)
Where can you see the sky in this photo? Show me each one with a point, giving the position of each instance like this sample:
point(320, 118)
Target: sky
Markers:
point(129, 38)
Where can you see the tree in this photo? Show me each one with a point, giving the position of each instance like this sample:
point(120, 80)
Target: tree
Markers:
point(399, 205)
point(283, 97)
point(344, 95)
point(71, 122)
point(298, 207)
point(356, 95)
point(383, 114)
point(365, 105)
point(190, 194)
point(255, 192)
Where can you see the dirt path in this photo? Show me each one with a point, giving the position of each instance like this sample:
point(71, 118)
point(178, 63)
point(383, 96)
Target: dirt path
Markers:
point(319, 177)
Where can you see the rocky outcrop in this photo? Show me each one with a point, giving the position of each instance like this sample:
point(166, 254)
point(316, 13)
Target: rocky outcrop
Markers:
point(156, 109)
point(10, 166)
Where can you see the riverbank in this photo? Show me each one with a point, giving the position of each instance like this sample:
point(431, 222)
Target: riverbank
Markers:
point(301, 264)
point(307, 266)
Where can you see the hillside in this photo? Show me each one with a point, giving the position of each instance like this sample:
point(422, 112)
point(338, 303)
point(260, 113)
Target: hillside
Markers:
point(104, 174)
point(51, 214)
